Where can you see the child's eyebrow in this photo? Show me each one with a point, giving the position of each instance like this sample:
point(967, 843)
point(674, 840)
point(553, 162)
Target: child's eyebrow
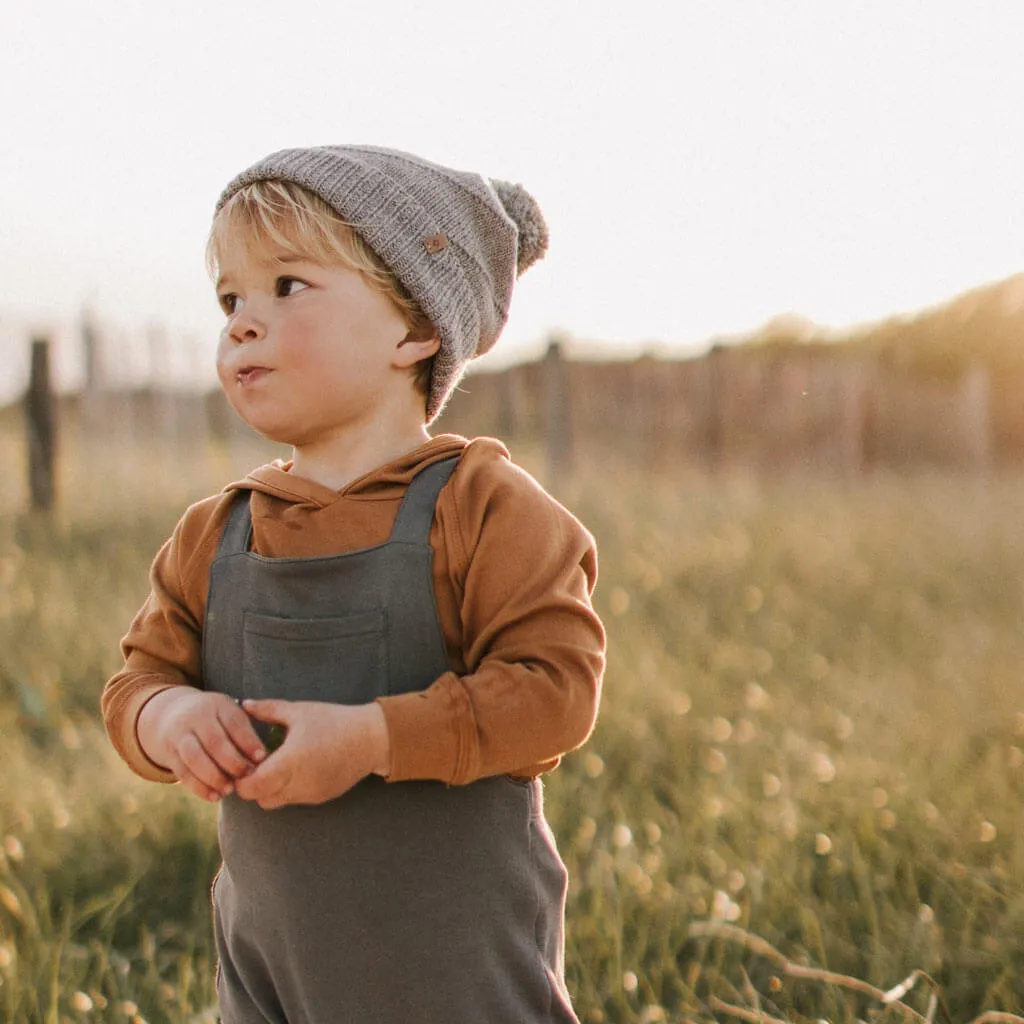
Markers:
point(272, 262)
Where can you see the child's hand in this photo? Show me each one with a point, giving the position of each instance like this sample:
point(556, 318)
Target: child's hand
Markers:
point(327, 749)
point(204, 738)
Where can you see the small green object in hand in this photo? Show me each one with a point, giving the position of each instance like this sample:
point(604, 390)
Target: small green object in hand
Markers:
point(275, 737)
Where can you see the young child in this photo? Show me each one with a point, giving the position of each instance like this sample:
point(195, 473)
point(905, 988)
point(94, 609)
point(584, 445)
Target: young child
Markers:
point(411, 614)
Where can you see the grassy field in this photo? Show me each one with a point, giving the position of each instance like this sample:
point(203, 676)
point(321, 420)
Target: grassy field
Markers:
point(813, 731)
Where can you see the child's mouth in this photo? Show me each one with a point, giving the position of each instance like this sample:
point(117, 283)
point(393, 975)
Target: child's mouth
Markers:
point(251, 374)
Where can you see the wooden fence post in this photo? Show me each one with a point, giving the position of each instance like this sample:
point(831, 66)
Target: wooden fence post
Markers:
point(715, 361)
point(90, 352)
point(42, 428)
point(975, 401)
point(557, 413)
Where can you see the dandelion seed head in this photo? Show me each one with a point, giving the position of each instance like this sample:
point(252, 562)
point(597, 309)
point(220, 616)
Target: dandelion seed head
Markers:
point(756, 696)
point(593, 765)
point(822, 845)
point(714, 807)
point(682, 704)
point(653, 832)
point(652, 1015)
point(745, 731)
point(879, 797)
point(735, 881)
point(644, 885)
point(630, 982)
point(931, 813)
point(10, 902)
point(720, 903)
point(622, 836)
point(715, 761)
point(771, 784)
point(6, 957)
point(587, 830)
point(721, 729)
point(987, 832)
point(80, 1003)
point(128, 1008)
point(887, 819)
point(13, 848)
point(925, 914)
point(823, 769)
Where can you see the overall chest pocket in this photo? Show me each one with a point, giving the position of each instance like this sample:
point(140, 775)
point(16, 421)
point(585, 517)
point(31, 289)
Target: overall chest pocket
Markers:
point(338, 660)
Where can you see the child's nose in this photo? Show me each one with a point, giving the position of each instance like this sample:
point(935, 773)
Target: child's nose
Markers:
point(245, 325)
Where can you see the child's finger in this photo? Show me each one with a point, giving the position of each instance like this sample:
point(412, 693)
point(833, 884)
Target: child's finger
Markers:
point(242, 735)
point(279, 711)
point(222, 749)
point(268, 783)
point(199, 764)
point(193, 784)
point(197, 788)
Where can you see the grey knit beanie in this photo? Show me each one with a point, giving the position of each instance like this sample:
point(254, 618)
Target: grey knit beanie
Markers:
point(455, 240)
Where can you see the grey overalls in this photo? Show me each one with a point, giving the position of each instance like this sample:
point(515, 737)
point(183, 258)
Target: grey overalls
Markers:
point(397, 903)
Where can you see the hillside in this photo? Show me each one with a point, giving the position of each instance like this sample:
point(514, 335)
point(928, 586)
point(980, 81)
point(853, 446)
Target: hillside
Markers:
point(984, 324)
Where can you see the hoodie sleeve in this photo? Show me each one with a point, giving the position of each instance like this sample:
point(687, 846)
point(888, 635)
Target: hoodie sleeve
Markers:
point(163, 646)
point(523, 570)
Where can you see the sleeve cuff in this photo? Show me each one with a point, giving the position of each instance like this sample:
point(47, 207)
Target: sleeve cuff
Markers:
point(431, 733)
point(130, 747)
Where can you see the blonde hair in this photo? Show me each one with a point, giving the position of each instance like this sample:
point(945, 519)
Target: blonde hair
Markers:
point(287, 216)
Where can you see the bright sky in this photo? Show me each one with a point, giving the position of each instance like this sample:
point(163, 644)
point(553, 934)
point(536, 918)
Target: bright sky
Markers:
point(703, 164)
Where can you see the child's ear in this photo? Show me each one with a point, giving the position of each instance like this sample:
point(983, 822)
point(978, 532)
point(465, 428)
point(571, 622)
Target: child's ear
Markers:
point(413, 349)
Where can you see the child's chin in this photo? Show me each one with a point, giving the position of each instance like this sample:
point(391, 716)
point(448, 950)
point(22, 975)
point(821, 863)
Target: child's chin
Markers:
point(276, 432)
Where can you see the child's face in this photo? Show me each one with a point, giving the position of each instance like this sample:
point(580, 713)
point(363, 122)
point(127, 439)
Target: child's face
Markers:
point(307, 350)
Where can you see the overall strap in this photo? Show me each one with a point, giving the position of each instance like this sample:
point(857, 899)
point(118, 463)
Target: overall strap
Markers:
point(412, 525)
point(237, 535)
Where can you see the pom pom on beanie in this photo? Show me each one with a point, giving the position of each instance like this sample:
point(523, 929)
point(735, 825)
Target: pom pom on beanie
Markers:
point(533, 229)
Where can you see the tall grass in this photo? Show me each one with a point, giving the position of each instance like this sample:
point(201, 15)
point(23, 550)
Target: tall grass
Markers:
point(811, 730)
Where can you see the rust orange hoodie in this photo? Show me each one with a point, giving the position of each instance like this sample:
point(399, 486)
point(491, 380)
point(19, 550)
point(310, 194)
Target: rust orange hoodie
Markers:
point(513, 576)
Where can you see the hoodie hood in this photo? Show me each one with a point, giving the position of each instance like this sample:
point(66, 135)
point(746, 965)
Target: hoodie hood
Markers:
point(385, 483)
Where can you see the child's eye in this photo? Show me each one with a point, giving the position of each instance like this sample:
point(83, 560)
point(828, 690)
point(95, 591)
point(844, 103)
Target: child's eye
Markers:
point(228, 302)
point(289, 286)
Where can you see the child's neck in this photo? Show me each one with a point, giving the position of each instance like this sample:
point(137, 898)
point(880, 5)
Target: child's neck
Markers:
point(336, 461)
